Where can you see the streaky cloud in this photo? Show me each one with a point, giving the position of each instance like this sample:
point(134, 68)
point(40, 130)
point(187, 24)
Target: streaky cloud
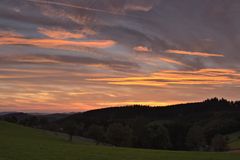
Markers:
point(192, 53)
point(168, 78)
point(168, 60)
point(75, 6)
point(56, 43)
point(60, 33)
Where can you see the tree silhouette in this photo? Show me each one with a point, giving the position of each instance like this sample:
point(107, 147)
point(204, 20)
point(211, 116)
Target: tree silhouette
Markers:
point(119, 135)
point(156, 136)
point(219, 143)
point(96, 132)
point(195, 139)
point(70, 128)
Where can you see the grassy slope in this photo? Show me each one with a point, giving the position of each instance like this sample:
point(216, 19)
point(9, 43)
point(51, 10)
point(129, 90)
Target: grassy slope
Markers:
point(234, 140)
point(20, 143)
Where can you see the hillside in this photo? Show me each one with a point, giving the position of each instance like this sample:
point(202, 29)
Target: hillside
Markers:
point(212, 117)
point(21, 143)
point(234, 141)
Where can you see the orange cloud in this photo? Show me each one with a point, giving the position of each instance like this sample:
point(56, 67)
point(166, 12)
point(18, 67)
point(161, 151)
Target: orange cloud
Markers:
point(142, 49)
point(201, 54)
point(6, 33)
point(56, 43)
point(59, 33)
point(172, 61)
point(168, 78)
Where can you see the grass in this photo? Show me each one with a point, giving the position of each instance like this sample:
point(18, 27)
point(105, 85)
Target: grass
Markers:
point(21, 143)
point(234, 140)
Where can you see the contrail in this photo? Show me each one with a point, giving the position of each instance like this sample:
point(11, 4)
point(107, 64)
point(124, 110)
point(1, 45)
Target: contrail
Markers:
point(78, 7)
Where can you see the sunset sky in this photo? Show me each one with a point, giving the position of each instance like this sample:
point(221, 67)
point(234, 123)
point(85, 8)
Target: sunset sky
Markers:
point(77, 55)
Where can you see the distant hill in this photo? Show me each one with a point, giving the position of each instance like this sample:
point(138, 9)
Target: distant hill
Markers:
point(33, 119)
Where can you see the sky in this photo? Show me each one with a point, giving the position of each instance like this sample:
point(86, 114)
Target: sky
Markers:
point(78, 55)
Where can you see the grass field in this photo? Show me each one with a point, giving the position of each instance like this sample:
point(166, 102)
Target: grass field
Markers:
point(234, 140)
point(21, 143)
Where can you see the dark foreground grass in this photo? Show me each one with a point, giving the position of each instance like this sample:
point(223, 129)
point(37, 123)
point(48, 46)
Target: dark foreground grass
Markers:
point(234, 140)
point(20, 143)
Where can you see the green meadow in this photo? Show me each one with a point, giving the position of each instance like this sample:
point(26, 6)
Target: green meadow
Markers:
point(234, 140)
point(22, 143)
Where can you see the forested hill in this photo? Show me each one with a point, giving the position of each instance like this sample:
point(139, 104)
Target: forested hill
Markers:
point(207, 108)
point(193, 126)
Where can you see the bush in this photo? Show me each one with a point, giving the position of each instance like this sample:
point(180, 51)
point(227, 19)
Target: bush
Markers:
point(156, 136)
point(119, 135)
point(219, 143)
point(195, 139)
point(96, 132)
